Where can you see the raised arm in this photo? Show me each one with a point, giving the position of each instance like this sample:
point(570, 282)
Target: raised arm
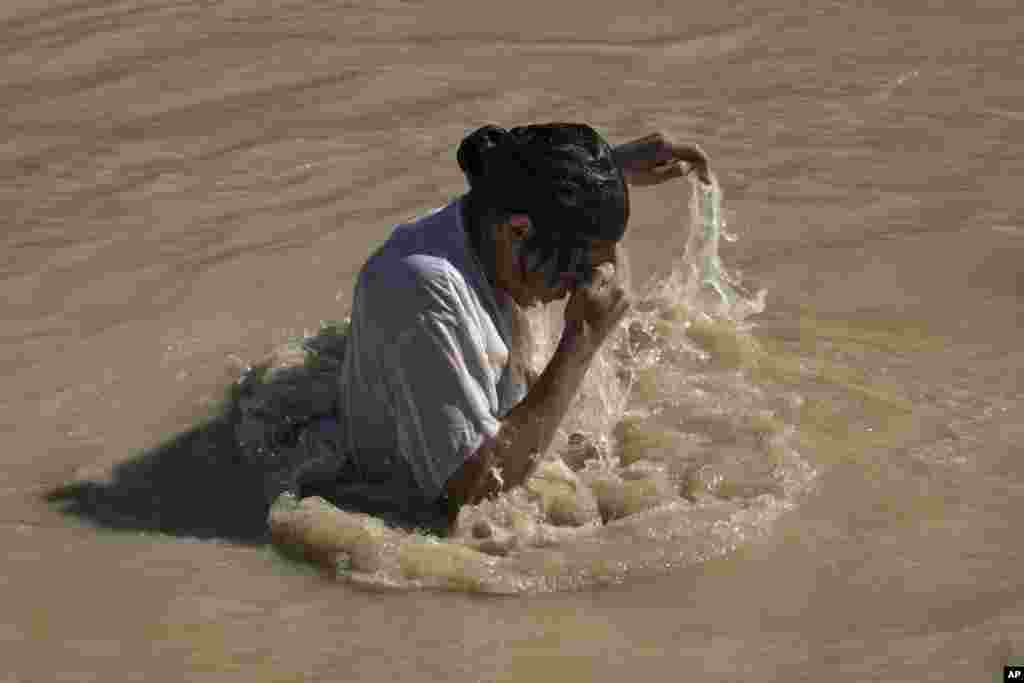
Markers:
point(656, 158)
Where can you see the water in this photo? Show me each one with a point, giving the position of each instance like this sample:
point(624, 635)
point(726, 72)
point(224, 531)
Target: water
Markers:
point(687, 458)
point(190, 184)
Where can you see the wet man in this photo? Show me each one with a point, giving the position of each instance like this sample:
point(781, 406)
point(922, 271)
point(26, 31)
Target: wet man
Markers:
point(437, 409)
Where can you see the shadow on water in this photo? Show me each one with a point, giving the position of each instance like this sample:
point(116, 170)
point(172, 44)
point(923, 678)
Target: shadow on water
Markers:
point(217, 479)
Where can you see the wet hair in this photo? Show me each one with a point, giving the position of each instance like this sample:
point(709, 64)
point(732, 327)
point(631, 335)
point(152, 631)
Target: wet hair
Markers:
point(562, 175)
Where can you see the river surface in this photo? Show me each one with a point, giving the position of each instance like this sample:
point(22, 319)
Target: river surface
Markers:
point(188, 185)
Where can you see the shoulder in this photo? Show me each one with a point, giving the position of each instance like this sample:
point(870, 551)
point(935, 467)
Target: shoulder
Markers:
point(411, 283)
point(420, 267)
point(398, 295)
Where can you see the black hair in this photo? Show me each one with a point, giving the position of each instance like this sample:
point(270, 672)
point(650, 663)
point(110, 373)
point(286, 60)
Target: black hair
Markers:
point(562, 175)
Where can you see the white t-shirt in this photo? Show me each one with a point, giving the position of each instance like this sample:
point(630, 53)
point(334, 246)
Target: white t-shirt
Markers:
point(426, 374)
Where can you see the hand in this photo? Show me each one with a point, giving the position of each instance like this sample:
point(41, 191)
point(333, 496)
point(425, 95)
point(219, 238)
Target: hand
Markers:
point(595, 308)
point(473, 481)
point(656, 158)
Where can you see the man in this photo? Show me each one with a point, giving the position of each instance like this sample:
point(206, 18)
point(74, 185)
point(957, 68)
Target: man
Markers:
point(435, 408)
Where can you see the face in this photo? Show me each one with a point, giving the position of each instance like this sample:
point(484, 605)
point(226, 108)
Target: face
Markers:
point(531, 288)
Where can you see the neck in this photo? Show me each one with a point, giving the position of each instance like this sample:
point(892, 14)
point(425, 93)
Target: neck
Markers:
point(481, 241)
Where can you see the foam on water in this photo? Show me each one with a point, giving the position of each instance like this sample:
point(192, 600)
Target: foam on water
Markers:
point(671, 454)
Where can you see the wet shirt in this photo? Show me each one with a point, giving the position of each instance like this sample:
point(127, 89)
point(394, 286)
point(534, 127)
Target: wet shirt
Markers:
point(426, 374)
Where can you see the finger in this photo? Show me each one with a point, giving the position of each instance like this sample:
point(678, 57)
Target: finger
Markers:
point(603, 274)
point(700, 169)
point(703, 173)
point(616, 259)
point(689, 153)
point(670, 171)
point(611, 296)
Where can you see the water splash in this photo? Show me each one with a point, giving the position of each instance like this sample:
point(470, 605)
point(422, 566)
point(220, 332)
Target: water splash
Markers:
point(700, 281)
point(669, 455)
point(706, 272)
point(702, 247)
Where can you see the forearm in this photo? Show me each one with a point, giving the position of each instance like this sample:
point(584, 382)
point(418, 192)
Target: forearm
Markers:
point(526, 431)
point(591, 314)
point(624, 156)
point(530, 427)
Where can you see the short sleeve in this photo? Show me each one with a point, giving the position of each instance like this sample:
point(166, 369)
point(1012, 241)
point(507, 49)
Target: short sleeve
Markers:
point(442, 395)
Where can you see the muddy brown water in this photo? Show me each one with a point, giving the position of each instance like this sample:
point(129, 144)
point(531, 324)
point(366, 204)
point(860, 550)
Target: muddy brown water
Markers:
point(186, 181)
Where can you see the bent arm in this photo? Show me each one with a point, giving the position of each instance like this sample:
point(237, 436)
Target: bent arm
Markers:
point(527, 430)
point(591, 314)
point(656, 158)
